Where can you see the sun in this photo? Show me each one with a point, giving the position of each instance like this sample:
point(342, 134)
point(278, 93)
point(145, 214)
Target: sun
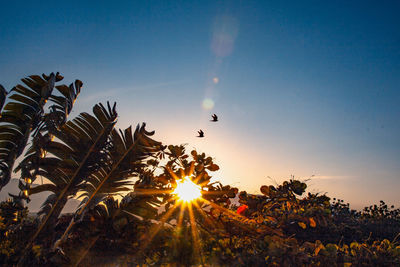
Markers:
point(186, 190)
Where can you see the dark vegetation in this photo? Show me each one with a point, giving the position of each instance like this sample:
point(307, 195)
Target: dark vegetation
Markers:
point(88, 158)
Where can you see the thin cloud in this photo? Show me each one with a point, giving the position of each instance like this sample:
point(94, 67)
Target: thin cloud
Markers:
point(155, 85)
point(93, 97)
point(330, 177)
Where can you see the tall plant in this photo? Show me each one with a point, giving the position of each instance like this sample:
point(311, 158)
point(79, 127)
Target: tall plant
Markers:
point(83, 157)
point(126, 154)
point(22, 115)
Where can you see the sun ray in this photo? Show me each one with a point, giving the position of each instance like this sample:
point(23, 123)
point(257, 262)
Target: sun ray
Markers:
point(191, 170)
point(198, 178)
point(224, 210)
point(187, 196)
point(146, 191)
point(243, 222)
point(232, 215)
point(172, 173)
point(219, 192)
point(201, 211)
point(155, 228)
point(181, 213)
point(195, 236)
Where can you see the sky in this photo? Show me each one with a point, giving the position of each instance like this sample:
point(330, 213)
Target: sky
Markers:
point(307, 89)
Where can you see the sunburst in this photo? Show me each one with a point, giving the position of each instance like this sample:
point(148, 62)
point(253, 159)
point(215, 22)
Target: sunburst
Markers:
point(187, 200)
point(186, 190)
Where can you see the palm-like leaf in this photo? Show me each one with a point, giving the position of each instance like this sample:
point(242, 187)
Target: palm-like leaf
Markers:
point(80, 151)
point(20, 116)
point(111, 220)
point(127, 152)
point(85, 140)
point(3, 94)
point(50, 123)
point(61, 108)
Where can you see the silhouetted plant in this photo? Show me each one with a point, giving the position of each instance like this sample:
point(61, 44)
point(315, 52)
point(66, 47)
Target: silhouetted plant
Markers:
point(88, 159)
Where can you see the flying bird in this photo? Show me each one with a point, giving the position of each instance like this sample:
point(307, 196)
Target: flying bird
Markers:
point(201, 133)
point(214, 118)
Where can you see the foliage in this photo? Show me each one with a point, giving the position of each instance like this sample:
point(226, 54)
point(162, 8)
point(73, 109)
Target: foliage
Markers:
point(23, 114)
point(273, 231)
point(129, 214)
point(83, 157)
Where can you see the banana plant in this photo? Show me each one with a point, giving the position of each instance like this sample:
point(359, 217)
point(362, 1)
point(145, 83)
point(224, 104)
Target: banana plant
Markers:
point(80, 148)
point(20, 116)
point(48, 126)
point(3, 95)
point(112, 220)
point(127, 153)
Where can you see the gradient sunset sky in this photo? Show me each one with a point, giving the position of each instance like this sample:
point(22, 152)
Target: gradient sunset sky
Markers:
point(303, 88)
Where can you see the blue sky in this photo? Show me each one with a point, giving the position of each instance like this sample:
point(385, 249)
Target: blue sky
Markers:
point(302, 89)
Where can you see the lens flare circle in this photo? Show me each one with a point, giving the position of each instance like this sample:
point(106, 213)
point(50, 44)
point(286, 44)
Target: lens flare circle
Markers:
point(186, 190)
point(208, 103)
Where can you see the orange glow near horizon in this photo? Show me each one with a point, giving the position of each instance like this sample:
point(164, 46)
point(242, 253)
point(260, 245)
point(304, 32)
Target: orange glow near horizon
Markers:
point(187, 207)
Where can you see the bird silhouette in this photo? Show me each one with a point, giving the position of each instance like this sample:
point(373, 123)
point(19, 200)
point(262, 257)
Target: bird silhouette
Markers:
point(201, 133)
point(214, 118)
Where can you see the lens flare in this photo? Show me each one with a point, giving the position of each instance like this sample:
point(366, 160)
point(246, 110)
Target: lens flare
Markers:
point(208, 103)
point(225, 31)
point(186, 190)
